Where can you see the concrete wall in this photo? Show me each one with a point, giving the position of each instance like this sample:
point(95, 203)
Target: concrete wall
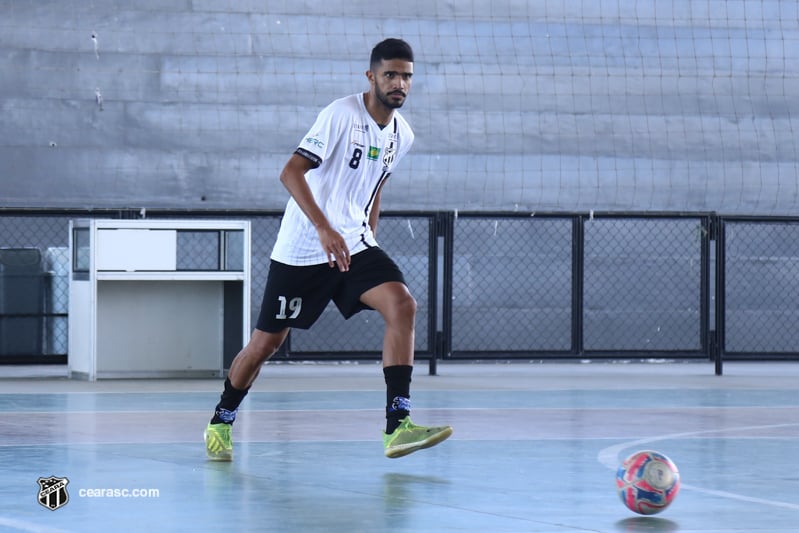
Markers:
point(615, 105)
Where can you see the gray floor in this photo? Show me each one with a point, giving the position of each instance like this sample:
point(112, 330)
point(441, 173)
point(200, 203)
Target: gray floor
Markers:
point(535, 448)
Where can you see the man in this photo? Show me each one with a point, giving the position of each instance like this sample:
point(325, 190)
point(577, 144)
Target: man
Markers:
point(326, 249)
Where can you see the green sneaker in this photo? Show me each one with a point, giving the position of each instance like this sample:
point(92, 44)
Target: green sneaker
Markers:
point(409, 437)
point(218, 443)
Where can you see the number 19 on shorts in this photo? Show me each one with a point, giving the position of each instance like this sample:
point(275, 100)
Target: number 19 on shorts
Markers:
point(293, 306)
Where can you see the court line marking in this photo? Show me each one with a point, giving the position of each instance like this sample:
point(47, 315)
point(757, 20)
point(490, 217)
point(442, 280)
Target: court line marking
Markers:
point(610, 457)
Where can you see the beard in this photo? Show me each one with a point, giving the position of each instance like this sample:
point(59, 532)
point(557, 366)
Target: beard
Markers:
point(386, 99)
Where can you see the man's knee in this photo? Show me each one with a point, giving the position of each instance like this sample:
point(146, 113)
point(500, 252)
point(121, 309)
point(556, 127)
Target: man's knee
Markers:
point(402, 311)
point(263, 345)
point(407, 305)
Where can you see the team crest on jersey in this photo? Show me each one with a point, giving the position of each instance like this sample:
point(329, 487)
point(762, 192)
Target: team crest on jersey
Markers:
point(374, 153)
point(389, 153)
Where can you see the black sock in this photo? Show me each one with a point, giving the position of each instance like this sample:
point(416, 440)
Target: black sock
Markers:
point(225, 411)
point(398, 387)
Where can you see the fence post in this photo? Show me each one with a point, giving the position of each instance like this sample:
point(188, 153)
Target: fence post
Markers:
point(717, 337)
point(578, 273)
point(441, 282)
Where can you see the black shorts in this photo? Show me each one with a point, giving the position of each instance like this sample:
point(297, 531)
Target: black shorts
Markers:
point(295, 296)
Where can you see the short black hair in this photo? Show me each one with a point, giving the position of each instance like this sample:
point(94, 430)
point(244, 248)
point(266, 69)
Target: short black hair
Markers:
point(391, 49)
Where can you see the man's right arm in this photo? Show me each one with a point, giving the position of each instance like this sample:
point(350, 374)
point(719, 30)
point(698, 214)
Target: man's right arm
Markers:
point(293, 178)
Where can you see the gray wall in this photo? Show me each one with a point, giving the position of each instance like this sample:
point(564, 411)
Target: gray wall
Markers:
point(683, 105)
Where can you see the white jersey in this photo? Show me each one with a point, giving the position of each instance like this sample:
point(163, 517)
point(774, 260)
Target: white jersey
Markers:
point(354, 156)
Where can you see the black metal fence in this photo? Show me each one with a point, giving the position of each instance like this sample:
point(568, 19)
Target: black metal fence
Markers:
point(759, 297)
point(491, 286)
point(580, 286)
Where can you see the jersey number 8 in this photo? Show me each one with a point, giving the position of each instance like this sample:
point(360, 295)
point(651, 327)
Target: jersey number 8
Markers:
point(356, 158)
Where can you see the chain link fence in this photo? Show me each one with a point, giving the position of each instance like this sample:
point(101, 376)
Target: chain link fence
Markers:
point(511, 285)
point(642, 288)
point(520, 286)
point(761, 290)
point(526, 286)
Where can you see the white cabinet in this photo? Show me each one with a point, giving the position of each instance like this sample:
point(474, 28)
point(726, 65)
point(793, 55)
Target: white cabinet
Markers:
point(157, 298)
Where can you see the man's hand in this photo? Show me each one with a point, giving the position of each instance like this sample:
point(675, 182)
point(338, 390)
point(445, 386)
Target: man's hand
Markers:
point(335, 247)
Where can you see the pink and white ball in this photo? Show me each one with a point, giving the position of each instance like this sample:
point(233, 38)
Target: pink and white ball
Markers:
point(647, 482)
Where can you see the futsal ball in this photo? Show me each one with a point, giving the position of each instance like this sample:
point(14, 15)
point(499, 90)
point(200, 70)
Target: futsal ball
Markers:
point(647, 482)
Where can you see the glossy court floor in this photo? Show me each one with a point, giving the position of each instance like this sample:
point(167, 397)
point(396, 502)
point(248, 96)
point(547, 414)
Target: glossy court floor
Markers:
point(535, 448)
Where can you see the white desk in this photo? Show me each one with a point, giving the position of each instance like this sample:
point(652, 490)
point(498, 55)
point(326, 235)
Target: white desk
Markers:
point(157, 298)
